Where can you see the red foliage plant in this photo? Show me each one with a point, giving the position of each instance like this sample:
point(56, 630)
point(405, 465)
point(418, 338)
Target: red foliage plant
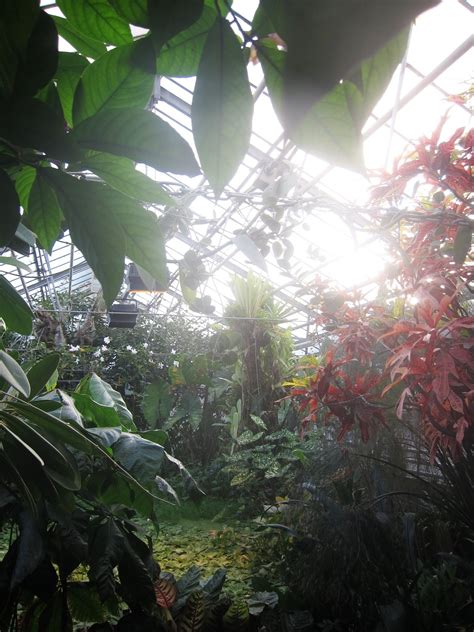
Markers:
point(418, 344)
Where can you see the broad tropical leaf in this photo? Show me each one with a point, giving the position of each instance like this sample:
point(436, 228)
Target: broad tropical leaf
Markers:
point(106, 548)
point(222, 106)
point(97, 234)
point(133, 11)
point(236, 618)
point(30, 123)
point(170, 17)
point(16, 24)
point(135, 579)
point(165, 591)
point(326, 41)
point(181, 55)
point(31, 548)
point(24, 179)
point(98, 19)
point(70, 68)
point(142, 458)
point(59, 464)
point(157, 401)
point(102, 393)
point(144, 242)
point(15, 263)
point(13, 374)
point(120, 173)
point(38, 65)
point(85, 604)
point(250, 250)
point(139, 135)
point(13, 309)
point(115, 80)
point(191, 618)
point(82, 43)
point(41, 372)
point(44, 213)
point(10, 209)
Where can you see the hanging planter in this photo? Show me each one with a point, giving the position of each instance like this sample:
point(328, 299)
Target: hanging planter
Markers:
point(123, 315)
point(138, 280)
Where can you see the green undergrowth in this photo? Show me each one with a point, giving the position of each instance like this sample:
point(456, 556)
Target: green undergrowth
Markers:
point(208, 536)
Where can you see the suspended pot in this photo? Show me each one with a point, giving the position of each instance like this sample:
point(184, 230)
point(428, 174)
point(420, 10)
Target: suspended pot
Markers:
point(123, 315)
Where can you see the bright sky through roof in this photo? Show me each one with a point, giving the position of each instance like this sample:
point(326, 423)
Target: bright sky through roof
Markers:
point(436, 34)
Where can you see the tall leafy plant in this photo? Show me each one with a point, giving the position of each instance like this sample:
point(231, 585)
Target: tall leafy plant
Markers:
point(418, 345)
point(75, 473)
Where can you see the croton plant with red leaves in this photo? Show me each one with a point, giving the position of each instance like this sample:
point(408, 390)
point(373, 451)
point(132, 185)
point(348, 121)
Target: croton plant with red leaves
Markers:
point(413, 354)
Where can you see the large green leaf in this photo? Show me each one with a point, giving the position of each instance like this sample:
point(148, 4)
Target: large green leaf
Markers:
point(144, 242)
point(70, 68)
point(374, 74)
point(70, 434)
point(106, 547)
point(98, 414)
point(31, 549)
point(142, 458)
point(85, 603)
point(97, 19)
point(328, 40)
point(120, 173)
point(41, 372)
point(133, 11)
point(115, 80)
point(38, 65)
point(89, 213)
point(80, 41)
point(222, 106)
point(157, 401)
point(135, 574)
point(102, 393)
point(33, 124)
point(60, 465)
point(65, 432)
point(10, 209)
point(191, 618)
point(15, 263)
point(115, 490)
point(13, 309)
point(106, 436)
point(24, 179)
point(17, 20)
point(170, 17)
point(13, 374)
point(181, 55)
point(331, 128)
point(44, 213)
point(139, 135)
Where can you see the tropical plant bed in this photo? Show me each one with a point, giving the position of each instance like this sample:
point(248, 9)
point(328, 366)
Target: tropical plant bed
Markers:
point(209, 543)
point(185, 545)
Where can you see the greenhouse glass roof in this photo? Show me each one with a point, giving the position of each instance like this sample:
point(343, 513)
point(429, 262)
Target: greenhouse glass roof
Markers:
point(325, 220)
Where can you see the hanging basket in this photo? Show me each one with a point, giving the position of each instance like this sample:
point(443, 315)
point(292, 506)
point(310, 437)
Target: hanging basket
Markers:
point(123, 315)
